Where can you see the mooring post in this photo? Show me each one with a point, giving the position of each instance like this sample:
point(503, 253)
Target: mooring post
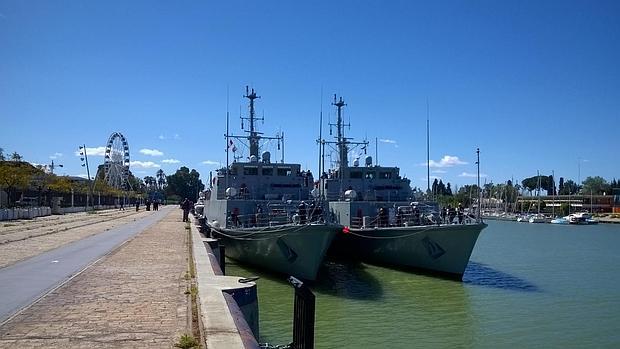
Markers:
point(303, 316)
point(223, 258)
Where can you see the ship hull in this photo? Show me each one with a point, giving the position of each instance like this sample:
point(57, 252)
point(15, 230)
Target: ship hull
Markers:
point(443, 249)
point(291, 249)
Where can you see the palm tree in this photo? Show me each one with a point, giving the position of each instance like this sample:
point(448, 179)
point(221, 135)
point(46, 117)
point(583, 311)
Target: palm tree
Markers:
point(16, 157)
point(150, 182)
point(161, 179)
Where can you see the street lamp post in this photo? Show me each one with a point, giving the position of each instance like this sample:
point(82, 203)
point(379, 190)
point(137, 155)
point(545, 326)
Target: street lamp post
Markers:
point(52, 166)
point(84, 158)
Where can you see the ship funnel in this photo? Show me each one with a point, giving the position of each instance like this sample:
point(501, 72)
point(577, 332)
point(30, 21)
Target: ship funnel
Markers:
point(368, 161)
point(356, 163)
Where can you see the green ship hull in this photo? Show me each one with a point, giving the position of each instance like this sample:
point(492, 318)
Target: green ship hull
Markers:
point(443, 249)
point(290, 249)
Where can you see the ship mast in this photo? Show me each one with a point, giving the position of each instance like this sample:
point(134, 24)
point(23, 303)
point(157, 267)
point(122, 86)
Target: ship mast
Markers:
point(343, 149)
point(342, 143)
point(253, 136)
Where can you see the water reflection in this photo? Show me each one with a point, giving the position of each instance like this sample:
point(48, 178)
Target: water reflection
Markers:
point(483, 275)
point(348, 280)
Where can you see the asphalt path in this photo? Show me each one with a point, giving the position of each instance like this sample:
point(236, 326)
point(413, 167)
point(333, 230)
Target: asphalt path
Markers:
point(25, 282)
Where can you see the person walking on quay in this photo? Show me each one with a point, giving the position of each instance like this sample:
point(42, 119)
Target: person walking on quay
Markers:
point(185, 206)
point(461, 212)
point(155, 205)
point(443, 212)
point(137, 205)
point(451, 214)
point(122, 208)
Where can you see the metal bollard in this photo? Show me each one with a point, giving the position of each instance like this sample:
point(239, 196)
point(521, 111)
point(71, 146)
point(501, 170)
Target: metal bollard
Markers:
point(223, 258)
point(303, 316)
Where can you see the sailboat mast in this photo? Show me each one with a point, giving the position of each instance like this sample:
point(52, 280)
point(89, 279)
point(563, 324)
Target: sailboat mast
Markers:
point(479, 191)
point(227, 140)
point(320, 130)
point(428, 153)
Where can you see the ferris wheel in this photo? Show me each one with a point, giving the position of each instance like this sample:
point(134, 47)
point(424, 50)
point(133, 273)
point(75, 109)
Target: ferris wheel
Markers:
point(116, 161)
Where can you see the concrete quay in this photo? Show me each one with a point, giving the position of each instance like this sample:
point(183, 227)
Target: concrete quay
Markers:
point(139, 294)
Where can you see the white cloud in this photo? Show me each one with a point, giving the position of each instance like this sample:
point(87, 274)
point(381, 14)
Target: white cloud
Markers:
point(97, 151)
point(144, 164)
point(210, 162)
point(439, 171)
point(56, 156)
point(176, 136)
point(170, 161)
point(151, 152)
point(83, 175)
point(390, 141)
point(471, 175)
point(446, 161)
point(161, 137)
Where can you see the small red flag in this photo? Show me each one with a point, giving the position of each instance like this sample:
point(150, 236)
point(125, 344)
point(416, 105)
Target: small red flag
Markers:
point(346, 230)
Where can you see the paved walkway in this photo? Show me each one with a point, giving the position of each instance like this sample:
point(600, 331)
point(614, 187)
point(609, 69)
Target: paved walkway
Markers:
point(134, 297)
point(24, 239)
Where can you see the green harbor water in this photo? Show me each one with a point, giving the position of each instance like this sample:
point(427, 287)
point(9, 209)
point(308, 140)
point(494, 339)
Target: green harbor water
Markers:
point(527, 285)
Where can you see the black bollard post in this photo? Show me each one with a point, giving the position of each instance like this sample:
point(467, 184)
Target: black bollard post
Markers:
point(223, 258)
point(303, 316)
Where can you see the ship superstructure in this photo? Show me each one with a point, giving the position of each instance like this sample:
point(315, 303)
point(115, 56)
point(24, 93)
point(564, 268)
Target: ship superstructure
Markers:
point(383, 221)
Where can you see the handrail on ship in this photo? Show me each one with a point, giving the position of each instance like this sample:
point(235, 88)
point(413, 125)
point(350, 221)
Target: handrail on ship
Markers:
point(407, 220)
point(277, 216)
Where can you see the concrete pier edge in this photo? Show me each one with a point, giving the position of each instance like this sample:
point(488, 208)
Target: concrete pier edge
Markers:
point(221, 319)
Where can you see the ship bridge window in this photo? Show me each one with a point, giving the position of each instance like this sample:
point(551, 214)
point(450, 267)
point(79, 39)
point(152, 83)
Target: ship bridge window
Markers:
point(250, 171)
point(370, 175)
point(284, 171)
point(267, 171)
point(355, 174)
point(385, 175)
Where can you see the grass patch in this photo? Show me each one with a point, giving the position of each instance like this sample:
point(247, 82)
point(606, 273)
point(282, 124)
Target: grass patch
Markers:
point(186, 341)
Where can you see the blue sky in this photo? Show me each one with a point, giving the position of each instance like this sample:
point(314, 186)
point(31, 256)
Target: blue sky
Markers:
point(534, 84)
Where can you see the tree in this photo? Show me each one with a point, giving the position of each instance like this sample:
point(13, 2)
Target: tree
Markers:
point(569, 188)
point(441, 188)
point(545, 182)
point(595, 185)
point(161, 179)
point(184, 184)
point(551, 186)
point(15, 175)
point(2, 154)
point(434, 187)
point(561, 185)
point(448, 190)
point(467, 195)
point(150, 183)
point(16, 157)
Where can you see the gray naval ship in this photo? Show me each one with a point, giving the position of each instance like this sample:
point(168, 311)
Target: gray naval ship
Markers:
point(263, 210)
point(382, 221)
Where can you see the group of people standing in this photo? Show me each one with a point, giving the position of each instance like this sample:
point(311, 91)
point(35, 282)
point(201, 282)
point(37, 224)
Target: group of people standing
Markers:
point(148, 204)
point(450, 213)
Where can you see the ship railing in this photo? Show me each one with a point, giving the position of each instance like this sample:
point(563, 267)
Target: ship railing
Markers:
point(276, 216)
point(400, 220)
point(258, 220)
